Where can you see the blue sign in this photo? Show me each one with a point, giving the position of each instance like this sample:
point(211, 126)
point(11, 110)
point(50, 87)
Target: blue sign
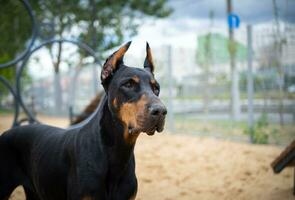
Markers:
point(233, 21)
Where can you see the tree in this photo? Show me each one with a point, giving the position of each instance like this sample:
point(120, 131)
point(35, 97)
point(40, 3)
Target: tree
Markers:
point(279, 41)
point(206, 61)
point(212, 50)
point(15, 32)
point(103, 24)
point(15, 29)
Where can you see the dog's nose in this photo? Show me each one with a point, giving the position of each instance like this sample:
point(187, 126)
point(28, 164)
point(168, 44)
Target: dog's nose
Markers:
point(158, 110)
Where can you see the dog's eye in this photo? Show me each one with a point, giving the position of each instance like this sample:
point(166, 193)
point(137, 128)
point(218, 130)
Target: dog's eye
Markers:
point(156, 89)
point(129, 84)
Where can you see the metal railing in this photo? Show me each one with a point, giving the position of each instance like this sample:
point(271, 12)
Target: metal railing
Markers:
point(21, 61)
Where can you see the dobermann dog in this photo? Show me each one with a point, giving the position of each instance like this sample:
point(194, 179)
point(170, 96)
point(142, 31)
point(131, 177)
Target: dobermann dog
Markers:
point(96, 159)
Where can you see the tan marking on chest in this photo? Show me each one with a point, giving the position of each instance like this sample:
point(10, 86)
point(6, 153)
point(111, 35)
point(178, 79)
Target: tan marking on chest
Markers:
point(130, 138)
point(87, 198)
point(133, 196)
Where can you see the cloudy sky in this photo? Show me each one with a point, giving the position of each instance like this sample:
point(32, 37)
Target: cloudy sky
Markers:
point(250, 11)
point(191, 18)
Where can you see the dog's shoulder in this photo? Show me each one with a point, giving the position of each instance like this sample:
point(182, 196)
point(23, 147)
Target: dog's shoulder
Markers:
point(33, 129)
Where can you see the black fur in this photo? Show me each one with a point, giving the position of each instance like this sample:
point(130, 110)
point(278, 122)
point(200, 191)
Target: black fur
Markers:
point(91, 161)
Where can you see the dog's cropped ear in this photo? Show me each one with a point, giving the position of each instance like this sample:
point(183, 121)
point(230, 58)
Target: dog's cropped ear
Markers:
point(113, 62)
point(148, 62)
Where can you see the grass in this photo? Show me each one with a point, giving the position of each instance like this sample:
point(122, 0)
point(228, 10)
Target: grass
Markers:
point(6, 111)
point(274, 95)
point(223, 127)
point(226, 129)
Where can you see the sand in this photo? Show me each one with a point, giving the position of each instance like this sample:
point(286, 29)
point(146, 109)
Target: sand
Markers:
point(186, 167)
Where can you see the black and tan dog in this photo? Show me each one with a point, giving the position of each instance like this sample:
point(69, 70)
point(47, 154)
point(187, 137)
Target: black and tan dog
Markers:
point(94, 160)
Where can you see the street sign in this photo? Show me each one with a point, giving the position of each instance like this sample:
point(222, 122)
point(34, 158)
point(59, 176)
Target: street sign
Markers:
point(233, 21)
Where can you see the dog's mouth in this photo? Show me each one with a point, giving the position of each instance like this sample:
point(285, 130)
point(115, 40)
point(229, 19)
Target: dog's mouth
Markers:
point(148, 131)
point(148, 128)
point(133, 130)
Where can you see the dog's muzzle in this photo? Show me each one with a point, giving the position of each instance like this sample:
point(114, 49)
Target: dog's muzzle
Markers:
point(156, 118)
point(153, 120)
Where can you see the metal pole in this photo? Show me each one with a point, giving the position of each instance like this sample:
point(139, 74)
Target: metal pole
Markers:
point(95, 79)
point(170, 89)
point(250, 82)
point(235, 95)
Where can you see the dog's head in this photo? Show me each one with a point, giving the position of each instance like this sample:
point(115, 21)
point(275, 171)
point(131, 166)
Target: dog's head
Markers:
point(133, 93)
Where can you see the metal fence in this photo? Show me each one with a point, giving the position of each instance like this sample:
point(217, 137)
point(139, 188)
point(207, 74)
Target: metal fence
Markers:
point(20, 62)
point(202, 95)
point(195, 82)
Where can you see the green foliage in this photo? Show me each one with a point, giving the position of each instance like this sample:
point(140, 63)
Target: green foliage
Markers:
point(260, 132)
point(265, 80)
point(15, 32)
point(204, 52)
point(15, 29)
point(103, 24)
point(9, 74)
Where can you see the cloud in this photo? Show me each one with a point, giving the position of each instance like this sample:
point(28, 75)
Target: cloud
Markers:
point(250, 11)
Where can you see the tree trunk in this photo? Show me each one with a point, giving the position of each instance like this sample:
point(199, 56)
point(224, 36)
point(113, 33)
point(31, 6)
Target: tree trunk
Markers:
point(281, 94)
point(73, 87)
point(206, 98)
point(279, 53)
point(57, 94)
point(58, 98)
point(206, 74)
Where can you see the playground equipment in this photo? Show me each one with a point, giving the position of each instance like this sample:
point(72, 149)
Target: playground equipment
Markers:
point(21, 62)
point(285, 159)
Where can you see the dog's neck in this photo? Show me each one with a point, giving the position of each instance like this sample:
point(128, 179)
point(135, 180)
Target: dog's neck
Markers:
point(113, 134)
point(104, 130)
point(120, 153)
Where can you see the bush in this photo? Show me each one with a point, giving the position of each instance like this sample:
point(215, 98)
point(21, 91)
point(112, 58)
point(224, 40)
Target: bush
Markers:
point(259, 133)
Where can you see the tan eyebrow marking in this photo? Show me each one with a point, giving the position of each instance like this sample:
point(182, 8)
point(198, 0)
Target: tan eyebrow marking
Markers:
point(153, 81)
point(115, 103)
point(135, 78)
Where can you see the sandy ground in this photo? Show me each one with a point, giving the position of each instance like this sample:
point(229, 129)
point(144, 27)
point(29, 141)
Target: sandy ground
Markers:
point(7, 119)
point(187, 167)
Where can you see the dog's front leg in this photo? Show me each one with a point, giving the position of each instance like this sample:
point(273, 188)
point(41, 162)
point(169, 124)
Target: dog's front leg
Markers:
point(127, 186)
point(86, 189)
